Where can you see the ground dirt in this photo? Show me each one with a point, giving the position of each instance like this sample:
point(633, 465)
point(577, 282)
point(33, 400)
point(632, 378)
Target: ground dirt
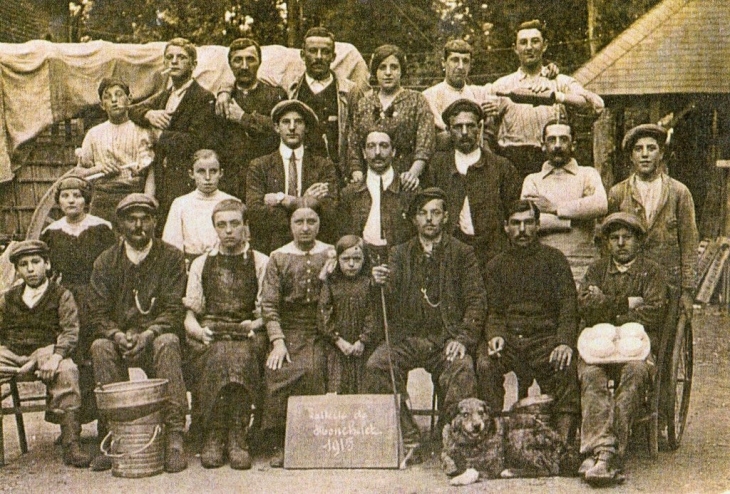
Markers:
point(700, 465)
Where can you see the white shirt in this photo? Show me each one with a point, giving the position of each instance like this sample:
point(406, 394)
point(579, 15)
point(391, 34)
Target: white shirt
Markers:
point(372, 231)
point(137, 256)
point(317, 86)
point(285, 152)
point(440, 96)
point(176, 97)
point(31, 296)
point(463, 162)
point(651, 194)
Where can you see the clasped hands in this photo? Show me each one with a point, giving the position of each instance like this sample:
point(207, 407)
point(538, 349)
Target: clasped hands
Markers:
point(350, 349)
point(131, 344)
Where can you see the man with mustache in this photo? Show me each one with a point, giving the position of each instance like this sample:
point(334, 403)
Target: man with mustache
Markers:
point(479, 184)
point(532, 320)
point(570, 199)
point(376, 208)
point(248, 129)
point(137, 314)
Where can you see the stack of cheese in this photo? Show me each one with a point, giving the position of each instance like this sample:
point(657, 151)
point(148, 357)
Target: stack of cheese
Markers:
point(608, 344)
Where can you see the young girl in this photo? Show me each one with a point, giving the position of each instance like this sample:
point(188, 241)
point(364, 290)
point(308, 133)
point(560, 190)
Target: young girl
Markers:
point(346, 317)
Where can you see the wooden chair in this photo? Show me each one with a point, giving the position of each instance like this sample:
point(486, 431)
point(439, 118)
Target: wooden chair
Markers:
point(20, 405)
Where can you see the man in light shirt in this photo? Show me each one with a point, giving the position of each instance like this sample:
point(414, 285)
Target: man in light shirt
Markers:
point(279, 182)
point(376, 208)
point(665, 204)
point(479, 184)
point(184, 118)
point(570, 199)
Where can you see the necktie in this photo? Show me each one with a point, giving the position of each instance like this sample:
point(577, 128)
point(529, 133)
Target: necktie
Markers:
point(382, 189)
point(292, 185)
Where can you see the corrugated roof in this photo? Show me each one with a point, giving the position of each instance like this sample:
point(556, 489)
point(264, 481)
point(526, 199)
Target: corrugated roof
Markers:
point(679, 46)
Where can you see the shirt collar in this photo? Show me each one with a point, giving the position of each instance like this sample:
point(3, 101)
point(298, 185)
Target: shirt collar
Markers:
point(37, 292)
point(182, 89)
point(617, 267)
point(571, 167)
point(464, 161)
point(245, 91)
point(373, 179)
point(286, 151)
point(137, 256)
point(323, 83)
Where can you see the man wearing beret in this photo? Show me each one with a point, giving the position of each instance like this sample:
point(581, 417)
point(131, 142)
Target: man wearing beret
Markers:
point(39, 329)
point(666, 206)
point(137, 313)
point(120, 148)
point(183, 117)
point(278, 182)
point(436, 308)
point(248, 129)
point(624, 287)
point(479, 184)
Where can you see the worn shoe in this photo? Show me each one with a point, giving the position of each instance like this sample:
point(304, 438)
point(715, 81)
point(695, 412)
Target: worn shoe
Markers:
point(277, 461)
point(238, 448)
point(587, 464)
point(101, 463)
point(175, 460)
point(602, 473)
point(213, 453)
point(70, 431)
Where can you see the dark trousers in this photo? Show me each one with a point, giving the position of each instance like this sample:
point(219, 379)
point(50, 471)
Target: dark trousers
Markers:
point(456, 380)
point(528, 358)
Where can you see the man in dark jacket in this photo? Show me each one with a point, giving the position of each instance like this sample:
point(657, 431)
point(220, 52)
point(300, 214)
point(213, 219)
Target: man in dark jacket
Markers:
point(479, 184)
point(532, 320)
point(184, 118)
point(137, 290)
point(436, 308)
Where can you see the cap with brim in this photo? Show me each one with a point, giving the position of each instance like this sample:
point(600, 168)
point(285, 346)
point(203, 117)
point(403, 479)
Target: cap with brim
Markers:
point(137, 201)
point(644, 130)
point(626, 219)
point(424, 196)
point(294, 105)
point(461, 105)
point(27, 247)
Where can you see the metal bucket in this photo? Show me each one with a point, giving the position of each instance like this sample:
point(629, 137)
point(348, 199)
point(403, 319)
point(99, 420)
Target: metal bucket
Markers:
point(129, 400)
point(136, 447)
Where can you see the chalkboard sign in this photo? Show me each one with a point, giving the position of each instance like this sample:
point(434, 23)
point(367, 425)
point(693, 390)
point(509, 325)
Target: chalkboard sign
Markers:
point(348, 431)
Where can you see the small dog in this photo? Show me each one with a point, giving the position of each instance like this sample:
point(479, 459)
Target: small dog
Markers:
point(521, 445)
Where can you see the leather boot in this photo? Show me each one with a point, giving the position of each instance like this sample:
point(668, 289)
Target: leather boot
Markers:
point(101, 462)
point(175, 460)
point(70, 432)
point(212, 454)
point(603, 472)
point(237, 446)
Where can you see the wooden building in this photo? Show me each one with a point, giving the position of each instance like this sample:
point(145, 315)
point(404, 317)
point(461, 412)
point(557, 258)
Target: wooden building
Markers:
point(670, 65)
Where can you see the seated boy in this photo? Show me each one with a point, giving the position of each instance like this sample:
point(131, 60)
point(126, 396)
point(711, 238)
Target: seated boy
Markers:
point(188, 226)
point(39, 328)
point(226, 337)
point(121, 148)
point(623, 287)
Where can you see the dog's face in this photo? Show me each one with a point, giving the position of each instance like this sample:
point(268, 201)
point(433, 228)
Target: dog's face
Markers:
point(474, 419)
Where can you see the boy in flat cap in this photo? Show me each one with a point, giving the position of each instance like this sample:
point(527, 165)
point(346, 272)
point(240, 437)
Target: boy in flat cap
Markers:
point(624, 287)
point(39, 328)
point(665, 205)
point(479, 184)
point(436, 309)
point(121, 148)
point(279, 182)
point(137, 314)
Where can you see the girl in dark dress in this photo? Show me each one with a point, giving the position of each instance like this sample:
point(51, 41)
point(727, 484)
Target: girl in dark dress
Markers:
point(75, 241)
point(346, 317)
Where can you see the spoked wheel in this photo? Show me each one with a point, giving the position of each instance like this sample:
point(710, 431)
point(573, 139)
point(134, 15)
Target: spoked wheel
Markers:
point(680, 386)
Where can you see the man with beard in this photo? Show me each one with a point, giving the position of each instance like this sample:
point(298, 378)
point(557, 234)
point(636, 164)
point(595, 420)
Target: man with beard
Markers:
point(184, 120)
point(436, 307)
point(519, 125)
point(532, 320)
point(137, 313)
point(248, 130)
point(376, 209)
point(570, 199)
point(479, 184)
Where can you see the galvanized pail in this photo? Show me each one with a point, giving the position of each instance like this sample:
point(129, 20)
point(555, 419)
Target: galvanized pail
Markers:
point(136, 447)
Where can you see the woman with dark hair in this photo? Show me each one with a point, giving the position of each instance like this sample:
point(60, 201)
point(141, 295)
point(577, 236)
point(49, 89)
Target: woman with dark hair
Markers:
point(74, 242)
point(403, 113)
point(346, 316)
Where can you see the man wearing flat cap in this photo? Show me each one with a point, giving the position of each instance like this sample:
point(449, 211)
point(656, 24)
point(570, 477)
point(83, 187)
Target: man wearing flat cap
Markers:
point(479, 184)
point(278, 182)
point(436, 307)
point(665, 205)
point(248, 129)
point(621, 288)
point(118, 147)
point(137, 314)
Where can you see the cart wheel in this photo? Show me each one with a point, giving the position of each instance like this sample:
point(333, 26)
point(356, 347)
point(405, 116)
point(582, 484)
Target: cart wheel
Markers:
point(680, 386)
